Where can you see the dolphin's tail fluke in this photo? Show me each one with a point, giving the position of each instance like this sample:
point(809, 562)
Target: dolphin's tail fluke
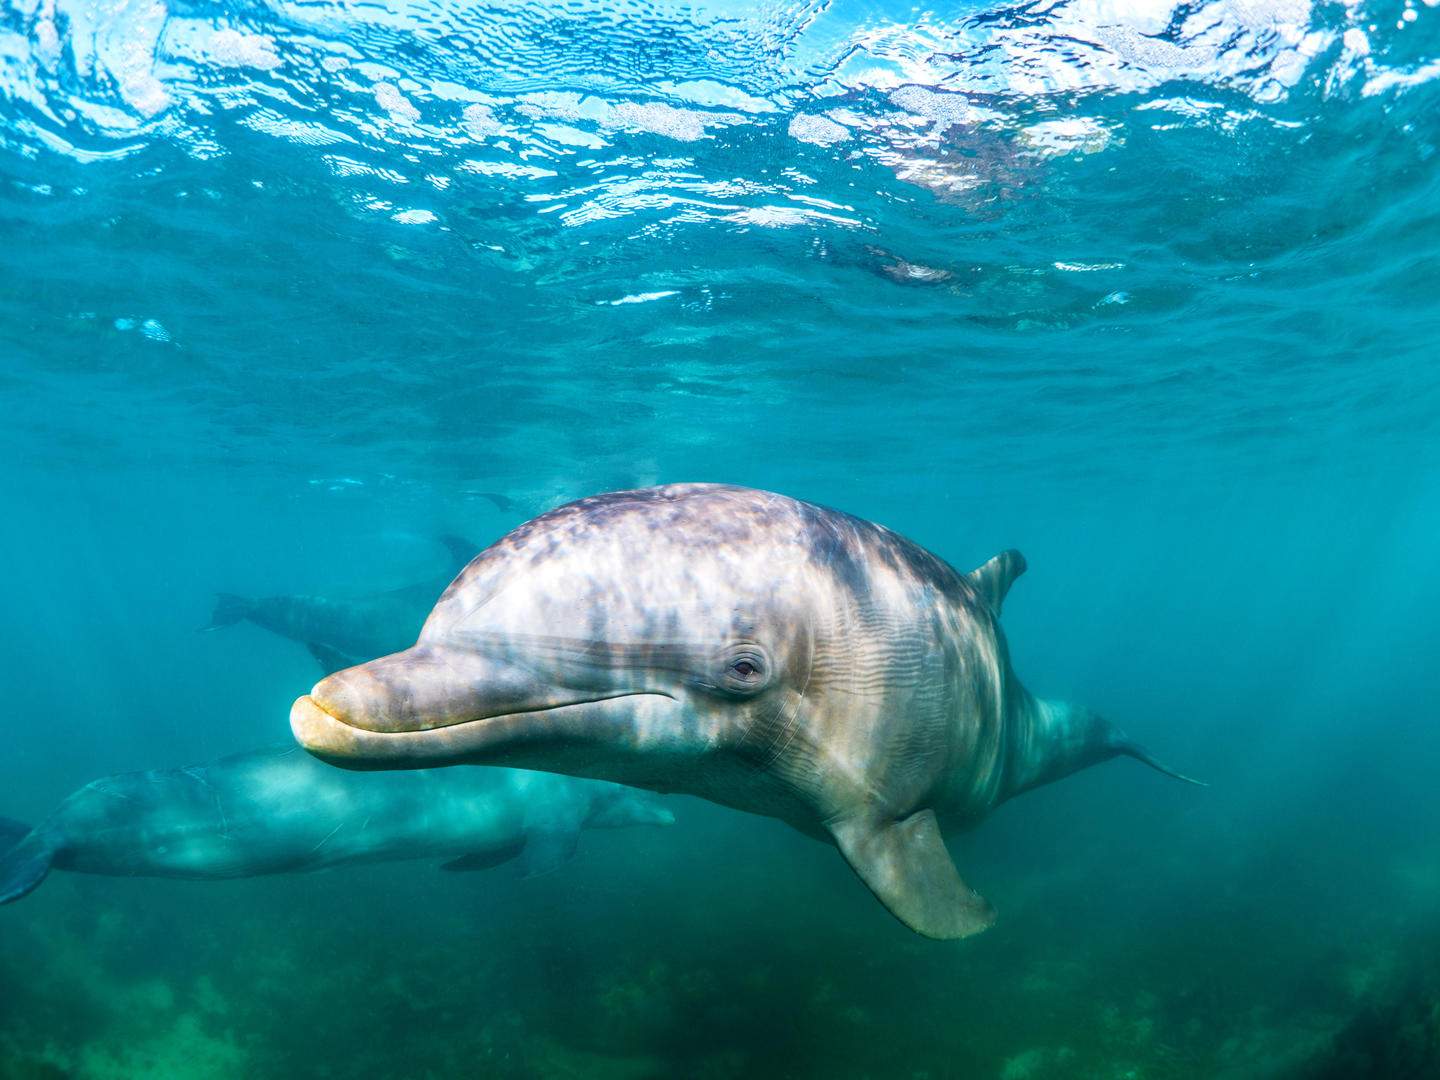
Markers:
point(25, 857)
point(1139, 753)
point(229, 609)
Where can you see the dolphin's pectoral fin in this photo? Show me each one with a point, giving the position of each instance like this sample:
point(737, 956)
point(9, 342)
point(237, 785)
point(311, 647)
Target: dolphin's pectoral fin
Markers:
point(24, 865)
point(486, 858)
point(993, 580)
point(330, 659)
point(11, 833)
point(548, 849)
point(906, 866)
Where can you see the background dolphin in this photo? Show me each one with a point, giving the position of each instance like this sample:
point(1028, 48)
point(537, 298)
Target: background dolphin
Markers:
point(762, 652)
point(340, 632)
point(278, 810)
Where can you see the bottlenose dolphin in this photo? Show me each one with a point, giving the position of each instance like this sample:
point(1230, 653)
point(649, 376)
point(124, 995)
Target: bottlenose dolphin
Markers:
point(761, 652)
point(279, 811)
point(342, 632)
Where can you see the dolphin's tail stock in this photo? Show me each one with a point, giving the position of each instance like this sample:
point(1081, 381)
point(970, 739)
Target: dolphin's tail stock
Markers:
point(25, 857)
point(229, 609)
point(1129, 748)
point(1059, 738)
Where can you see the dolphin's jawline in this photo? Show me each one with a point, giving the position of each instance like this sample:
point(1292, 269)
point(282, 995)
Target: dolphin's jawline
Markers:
point(307, 704)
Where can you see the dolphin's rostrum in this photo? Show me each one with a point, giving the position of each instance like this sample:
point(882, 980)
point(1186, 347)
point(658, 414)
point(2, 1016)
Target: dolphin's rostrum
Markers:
point(749, 648)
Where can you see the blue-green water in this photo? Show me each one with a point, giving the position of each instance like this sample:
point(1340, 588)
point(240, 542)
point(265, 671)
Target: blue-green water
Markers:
point(1151, 294)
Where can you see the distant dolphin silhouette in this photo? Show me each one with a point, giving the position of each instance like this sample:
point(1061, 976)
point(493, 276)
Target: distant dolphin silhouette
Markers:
point(279, 811)
point(749, 648)
point(341, 632)
point(503, 503)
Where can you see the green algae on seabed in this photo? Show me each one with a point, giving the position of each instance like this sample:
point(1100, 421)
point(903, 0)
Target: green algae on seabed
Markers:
point(1395, 1034)
point(771, 967)
point(318, 1003)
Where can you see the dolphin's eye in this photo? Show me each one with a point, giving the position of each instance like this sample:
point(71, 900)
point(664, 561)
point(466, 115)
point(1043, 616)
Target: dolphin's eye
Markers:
point(744, 669)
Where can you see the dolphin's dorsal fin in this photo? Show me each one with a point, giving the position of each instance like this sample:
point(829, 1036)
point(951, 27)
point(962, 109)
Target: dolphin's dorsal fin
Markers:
point(461, 550)
point(993, 580)
point(328, 657)
point(906, 866)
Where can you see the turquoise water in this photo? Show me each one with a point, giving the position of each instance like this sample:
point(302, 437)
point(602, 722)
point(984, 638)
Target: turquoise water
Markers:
point(288, 291)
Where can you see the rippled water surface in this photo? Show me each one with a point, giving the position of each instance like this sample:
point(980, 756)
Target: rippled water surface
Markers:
point(1150, 291)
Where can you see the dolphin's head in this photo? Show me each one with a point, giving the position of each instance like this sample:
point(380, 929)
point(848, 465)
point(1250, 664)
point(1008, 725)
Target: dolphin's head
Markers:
point(620, 637)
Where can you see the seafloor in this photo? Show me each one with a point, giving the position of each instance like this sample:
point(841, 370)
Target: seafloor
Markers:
point(778, 967)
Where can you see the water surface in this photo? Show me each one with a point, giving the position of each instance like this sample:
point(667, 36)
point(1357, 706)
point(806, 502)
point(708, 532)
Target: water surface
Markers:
point(289, 290)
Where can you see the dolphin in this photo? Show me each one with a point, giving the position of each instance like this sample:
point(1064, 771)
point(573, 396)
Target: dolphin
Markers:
point(280, 811)
point(762, 652)
point(339, 632)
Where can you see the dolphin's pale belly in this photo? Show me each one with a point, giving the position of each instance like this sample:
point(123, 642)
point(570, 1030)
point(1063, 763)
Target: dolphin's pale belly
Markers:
point(278, 810)
point(285, 816)
point(207, 849)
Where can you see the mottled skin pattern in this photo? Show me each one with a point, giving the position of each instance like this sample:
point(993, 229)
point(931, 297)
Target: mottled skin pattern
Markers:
point(278, 810)
point(762, 652)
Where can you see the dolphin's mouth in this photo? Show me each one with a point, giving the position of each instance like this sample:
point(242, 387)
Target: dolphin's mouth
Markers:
point(332, 738)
